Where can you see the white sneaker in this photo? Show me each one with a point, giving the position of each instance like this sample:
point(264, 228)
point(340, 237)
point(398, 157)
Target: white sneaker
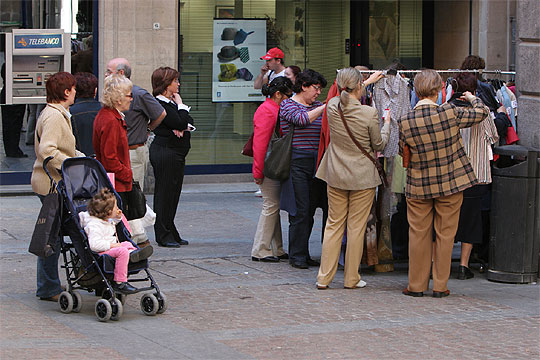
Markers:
point(360, 284)
point(258, 193)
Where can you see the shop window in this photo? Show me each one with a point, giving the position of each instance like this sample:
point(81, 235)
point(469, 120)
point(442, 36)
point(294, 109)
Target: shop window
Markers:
point(310, 33)
point(395, 33)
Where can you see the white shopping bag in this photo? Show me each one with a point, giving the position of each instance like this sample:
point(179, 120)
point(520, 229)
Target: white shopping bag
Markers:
point(149, 219)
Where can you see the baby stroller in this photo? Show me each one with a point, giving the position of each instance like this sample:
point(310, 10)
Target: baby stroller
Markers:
point(81, 179)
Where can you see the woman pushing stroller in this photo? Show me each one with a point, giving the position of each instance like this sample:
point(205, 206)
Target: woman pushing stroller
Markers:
point(99, 223)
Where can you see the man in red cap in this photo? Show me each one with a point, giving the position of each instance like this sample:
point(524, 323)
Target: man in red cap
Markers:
point(273, 68)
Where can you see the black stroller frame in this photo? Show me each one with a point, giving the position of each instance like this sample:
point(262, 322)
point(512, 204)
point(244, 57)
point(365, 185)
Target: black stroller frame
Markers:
point(85, 270)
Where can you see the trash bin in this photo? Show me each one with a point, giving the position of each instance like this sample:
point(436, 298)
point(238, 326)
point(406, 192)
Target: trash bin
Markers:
point(515, 211)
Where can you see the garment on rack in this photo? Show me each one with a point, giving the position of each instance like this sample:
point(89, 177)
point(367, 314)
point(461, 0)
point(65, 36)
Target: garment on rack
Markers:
point(392, 92)
point(477, 141)
point(504, 98)
point(487, 94)
point(449, 92)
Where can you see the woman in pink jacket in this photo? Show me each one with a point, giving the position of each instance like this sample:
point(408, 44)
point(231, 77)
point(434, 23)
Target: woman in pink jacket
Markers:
point(267, 244)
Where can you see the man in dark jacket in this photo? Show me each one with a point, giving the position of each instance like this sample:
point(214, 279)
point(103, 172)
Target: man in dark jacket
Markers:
point(84, 111)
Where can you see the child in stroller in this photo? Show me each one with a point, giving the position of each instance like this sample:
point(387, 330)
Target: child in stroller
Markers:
point(99, 223)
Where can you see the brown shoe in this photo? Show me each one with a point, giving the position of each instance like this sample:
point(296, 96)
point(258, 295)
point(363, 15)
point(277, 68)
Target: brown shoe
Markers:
point(52, 298)
point(143, 244)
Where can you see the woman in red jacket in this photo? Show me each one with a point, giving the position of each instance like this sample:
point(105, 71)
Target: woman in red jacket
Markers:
point(110, 132)
point(268, 244)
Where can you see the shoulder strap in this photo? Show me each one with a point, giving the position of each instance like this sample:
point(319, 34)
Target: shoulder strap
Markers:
point(278, 126)
point(375, 162)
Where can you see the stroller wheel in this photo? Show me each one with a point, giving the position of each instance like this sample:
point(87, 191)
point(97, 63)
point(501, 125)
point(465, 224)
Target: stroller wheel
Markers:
point(162, 301)
point(117, 309)
point(65, 300)
point(103, 310)
point(122, 298)
point(77, 301)
point(149, 304)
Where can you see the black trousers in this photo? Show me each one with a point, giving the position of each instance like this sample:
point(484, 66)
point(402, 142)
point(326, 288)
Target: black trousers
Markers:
point(12, 120)
point(310, 193)
point(168, 164)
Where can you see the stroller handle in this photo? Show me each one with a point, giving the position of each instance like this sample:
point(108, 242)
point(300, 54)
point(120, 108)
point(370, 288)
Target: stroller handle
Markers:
point(45, 162)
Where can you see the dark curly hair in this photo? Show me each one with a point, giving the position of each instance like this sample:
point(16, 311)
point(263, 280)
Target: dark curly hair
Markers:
point(102, 204)
point(473, 62)
point(307, 78)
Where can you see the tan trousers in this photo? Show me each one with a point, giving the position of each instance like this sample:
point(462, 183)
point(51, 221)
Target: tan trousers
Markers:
point(350, 209)
point(268, 240)
point(139, 164)
point(424, 215)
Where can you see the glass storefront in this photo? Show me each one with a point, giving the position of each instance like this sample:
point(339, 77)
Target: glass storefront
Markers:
point(317, 34)
point(311, 34)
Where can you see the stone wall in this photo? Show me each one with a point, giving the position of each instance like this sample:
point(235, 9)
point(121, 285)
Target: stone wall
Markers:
point(528, 72)
point(126, 30)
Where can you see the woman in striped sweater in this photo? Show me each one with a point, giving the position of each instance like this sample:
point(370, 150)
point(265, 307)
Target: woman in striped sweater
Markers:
point(303, 114)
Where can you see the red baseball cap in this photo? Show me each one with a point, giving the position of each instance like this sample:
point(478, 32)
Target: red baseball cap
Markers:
point(273, 53)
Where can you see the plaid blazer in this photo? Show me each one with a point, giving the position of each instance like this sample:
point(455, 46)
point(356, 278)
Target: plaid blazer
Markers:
point(438, 164)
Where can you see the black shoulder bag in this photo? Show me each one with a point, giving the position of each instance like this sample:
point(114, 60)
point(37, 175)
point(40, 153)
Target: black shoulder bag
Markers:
point(277, 162)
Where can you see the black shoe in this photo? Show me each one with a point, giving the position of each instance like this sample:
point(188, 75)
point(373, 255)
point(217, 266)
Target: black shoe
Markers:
point(299, 265)
point(283, 257)
point(124, 288)
point(183, 242)
point(312, 262)
point(412, 293)
point(441, 294)
point(141, 254)
point(171, 244)
point(265, 259)
point(464, 273)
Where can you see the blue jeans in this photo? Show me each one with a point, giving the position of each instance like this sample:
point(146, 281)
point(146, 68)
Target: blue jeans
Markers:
point(309, 193)
point(48, 281)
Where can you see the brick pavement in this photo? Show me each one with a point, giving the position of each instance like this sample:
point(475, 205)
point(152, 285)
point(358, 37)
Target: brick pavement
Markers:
point(224, 306)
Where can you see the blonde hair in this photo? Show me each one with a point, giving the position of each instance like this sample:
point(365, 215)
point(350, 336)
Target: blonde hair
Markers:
point(348, 80)
point(115, 87)
point(427, 83)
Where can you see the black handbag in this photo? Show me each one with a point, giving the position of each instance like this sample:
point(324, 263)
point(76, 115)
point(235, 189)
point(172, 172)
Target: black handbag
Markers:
point(133, 202)
point(277, 162)
point(44, 241)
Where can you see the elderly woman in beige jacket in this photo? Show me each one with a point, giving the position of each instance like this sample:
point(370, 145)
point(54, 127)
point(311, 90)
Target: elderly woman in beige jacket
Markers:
point(351, 177)
point(53, 137)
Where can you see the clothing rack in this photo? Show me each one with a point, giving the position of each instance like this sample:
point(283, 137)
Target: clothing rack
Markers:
point(497, 72)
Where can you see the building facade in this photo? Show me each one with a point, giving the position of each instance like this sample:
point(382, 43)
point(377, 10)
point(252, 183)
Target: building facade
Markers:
point(317, 34)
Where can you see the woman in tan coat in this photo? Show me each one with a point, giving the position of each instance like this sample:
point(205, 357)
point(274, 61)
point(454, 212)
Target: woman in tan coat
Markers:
point(351, 177)
point(53, 137)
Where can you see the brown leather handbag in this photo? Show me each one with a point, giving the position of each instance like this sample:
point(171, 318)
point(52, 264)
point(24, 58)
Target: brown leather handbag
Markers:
point(377, 164)
point(406, 156)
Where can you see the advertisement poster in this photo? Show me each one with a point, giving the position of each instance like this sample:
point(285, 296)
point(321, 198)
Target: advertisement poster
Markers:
point(237, 50)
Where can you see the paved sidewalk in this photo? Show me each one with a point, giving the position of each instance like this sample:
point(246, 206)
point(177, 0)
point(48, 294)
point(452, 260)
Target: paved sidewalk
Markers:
point(224, 306)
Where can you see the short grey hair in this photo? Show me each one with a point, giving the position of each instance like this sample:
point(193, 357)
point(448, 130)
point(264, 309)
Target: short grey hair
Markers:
point(125, 67)
point(115, 87)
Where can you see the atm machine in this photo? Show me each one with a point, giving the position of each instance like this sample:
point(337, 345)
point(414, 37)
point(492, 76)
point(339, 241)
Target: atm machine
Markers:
point(32, 56)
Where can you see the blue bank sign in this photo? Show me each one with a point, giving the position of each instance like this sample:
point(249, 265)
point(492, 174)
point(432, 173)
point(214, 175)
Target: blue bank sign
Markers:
point(38, 41)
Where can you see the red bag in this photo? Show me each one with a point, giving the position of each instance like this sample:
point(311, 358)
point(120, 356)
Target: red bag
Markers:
point(247, 150)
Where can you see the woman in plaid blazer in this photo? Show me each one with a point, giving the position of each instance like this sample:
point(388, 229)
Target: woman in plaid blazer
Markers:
point(437, 174)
